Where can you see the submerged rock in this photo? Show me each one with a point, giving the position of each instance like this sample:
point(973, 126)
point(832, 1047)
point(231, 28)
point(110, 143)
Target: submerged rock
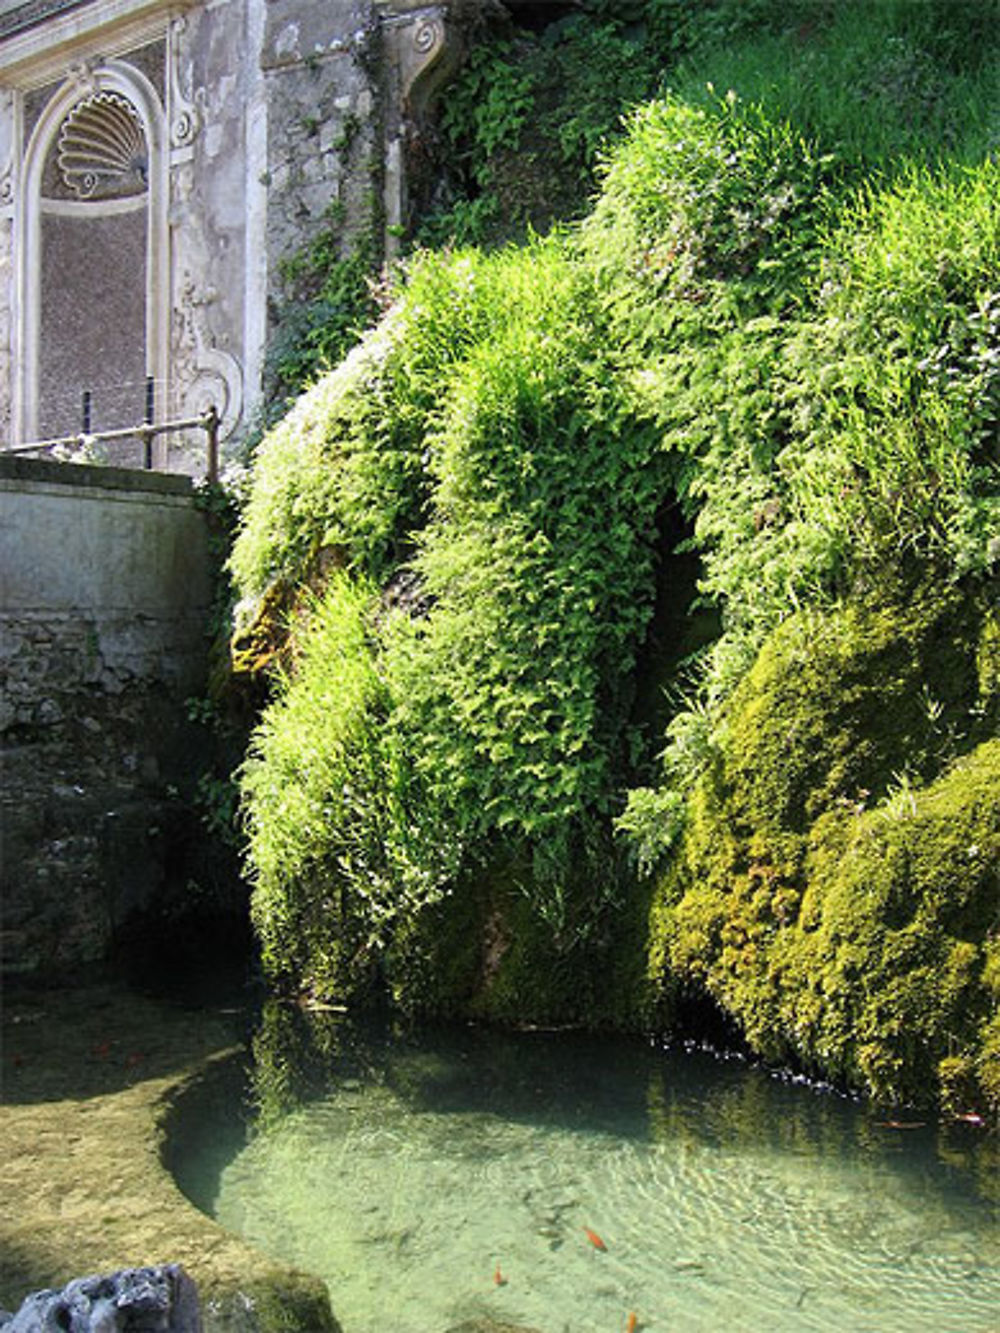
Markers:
point(134, 1300)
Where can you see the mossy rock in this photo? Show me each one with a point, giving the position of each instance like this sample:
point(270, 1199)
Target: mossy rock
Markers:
point(837, 704)
point(837, 883)
point(266, 642)
point(491, 951)
point(895, 938)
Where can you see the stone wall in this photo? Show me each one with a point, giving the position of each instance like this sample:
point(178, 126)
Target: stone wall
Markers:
point(103, 616)
point(322, 151)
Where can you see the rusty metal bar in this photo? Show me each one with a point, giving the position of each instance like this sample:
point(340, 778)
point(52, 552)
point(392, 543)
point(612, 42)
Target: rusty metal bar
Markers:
point(148, 415)
point(209, 422)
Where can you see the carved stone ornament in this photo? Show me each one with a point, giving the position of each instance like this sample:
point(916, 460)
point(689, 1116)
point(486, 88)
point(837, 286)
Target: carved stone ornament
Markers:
point(428, 35)
point(187, 103)
point(422, 52)
point(102, 149)
point(82, 74)
point(206, 374)
point(6, 147)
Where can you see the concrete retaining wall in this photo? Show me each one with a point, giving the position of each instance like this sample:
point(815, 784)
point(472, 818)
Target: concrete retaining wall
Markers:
point(104, 599)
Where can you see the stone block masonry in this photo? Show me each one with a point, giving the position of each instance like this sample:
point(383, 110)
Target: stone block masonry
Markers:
point(104, 600)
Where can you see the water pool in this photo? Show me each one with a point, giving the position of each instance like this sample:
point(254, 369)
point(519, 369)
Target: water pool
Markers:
point(463, 1176)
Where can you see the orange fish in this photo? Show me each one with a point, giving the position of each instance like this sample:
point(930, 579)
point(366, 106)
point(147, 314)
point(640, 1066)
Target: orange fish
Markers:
point(633, 1322)
point(498, 1277)
point(594, 1239)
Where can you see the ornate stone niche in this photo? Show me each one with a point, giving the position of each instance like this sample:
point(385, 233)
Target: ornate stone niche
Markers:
point(92, 253)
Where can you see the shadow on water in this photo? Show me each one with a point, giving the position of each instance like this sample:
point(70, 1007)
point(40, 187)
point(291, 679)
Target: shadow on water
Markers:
point(205, 1127)
point(622, 1087)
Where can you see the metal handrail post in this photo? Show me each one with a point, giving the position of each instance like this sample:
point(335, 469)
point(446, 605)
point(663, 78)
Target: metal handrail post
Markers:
point(210, 420)
point(148, 417)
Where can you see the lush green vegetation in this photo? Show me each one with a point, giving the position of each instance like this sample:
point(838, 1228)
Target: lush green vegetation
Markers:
point(527, 121)
point(836, 884)
point(779, 321)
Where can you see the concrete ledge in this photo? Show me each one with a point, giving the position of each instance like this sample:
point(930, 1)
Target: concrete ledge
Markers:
point(90, 1079)
point(104, 544)
point(15, 467)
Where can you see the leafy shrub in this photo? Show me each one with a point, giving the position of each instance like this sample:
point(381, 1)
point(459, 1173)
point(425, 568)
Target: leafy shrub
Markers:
point(507, 690)
point(537, 562)
point(344, 839)
point(525, 121)
point(345, 466)
point(835, 416)
point(875, 81)
point(315, 333)
point(805, 362)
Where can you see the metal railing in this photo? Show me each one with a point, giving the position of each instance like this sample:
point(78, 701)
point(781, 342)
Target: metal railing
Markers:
point(209, 422)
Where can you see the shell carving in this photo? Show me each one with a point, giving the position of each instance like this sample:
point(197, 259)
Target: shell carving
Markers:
point(102, 148)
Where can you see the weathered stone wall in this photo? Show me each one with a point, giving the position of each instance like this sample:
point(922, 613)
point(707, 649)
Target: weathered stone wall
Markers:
point(218, 207)
point(323, 136)
point(102, 637)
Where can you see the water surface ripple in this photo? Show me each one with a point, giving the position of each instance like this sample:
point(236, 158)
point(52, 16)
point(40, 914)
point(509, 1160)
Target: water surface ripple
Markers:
point(726, 1200)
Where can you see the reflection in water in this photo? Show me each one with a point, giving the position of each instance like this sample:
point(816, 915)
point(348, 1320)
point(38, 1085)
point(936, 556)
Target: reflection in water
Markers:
point(412, 1172)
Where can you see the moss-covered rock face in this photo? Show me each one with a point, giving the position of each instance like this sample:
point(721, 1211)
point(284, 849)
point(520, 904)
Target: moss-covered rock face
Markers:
point(738, 349)
point(837, 885)
point(483, 952)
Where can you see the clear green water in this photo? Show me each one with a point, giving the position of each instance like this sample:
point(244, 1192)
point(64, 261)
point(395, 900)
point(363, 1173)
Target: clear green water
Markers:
point(727, 1200)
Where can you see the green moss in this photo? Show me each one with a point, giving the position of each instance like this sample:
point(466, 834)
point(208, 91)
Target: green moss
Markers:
point(838, 704)
point(485, 951)
point(902, 902)
point(836, 887)
point(299, 1302)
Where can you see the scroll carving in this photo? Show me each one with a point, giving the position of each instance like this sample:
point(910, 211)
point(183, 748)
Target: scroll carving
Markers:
point(187, 103)
point(421, 53)
point(6, 147)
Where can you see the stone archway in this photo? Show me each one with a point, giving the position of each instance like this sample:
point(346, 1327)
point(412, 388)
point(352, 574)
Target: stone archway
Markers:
point(92, 256)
